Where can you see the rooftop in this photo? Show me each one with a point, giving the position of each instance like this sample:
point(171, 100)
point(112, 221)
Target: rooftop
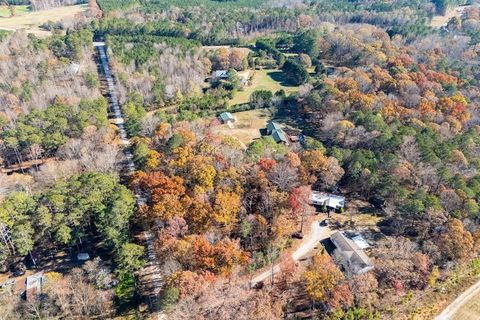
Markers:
point(359, 261)
point(279, 136)
point(272, 126)
point(220, 74)
point(330, 200)
point(34, 284)
point(225, 116)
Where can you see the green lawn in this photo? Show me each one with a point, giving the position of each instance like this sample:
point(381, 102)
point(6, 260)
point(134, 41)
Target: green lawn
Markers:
point(19, 10)
point(269, 79)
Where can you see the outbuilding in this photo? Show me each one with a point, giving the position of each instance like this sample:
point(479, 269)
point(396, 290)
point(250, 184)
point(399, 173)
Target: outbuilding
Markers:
point(226, 117)
point(34, 285)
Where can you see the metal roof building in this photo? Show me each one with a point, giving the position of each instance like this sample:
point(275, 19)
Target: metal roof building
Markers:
point(226, 117)
point(329, 200)
point(358, 261)
point(279, 136)
point(272, 126)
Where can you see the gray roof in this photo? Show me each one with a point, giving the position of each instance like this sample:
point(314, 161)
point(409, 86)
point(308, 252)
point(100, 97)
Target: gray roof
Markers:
point(220, 74)
point(351, 251)
point(272, 126)
point(279, 136)
point(330, 200)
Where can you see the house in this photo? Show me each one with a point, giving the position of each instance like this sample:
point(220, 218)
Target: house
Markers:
point(331, 201)
point(280, 136)
point(243, 76)
point(272, 126)
point(277, 133)
point(34, 285)
point(219, 74)
point(226, 117)
point(354, 256)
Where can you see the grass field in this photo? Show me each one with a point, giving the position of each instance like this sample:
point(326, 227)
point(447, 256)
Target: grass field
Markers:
point(19, 10)
point(269, 79)
point(247, 126)
point(30, 21)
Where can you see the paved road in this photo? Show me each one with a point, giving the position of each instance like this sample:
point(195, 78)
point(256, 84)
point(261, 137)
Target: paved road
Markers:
point(310, 241)
point(449, 312)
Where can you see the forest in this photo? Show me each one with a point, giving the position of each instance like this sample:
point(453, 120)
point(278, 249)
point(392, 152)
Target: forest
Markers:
point(379, 106)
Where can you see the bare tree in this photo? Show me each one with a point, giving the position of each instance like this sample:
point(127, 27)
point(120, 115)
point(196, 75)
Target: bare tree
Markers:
point(284, 176)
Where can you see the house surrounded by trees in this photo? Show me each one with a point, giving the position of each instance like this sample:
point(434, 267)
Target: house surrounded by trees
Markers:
point(332, 202)
point(355, 258)
point(277, 133)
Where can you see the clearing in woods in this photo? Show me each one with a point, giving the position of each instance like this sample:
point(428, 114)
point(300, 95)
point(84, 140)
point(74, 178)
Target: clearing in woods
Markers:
point(247, 125)
point(268, 79)
point(31, 20)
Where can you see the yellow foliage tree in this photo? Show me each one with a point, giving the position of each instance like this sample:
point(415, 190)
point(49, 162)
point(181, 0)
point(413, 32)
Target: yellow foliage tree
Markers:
point(226, 208)
point(321, 277)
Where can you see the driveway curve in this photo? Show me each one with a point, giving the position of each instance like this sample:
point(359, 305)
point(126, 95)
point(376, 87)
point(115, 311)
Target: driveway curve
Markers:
point(310, 241)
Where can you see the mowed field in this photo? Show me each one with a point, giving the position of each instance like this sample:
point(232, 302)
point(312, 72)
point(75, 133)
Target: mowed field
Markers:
point(268, 79)
point(247, 126)
point(30, 21)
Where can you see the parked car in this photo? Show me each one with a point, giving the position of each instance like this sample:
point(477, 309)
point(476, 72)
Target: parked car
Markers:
point(259, 285)
point(324, 223)
point(18, 269)
point(18, 273)
point(378, 202)
point(83, 256)
point(297, 235)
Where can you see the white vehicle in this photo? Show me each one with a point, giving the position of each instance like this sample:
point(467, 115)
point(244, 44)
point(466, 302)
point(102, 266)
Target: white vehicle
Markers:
point(83, 257)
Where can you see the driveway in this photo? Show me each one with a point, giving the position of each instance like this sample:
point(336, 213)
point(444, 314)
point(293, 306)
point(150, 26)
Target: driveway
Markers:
point(310, 241)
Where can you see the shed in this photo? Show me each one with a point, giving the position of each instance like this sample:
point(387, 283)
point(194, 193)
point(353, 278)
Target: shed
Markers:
point(358, 261)
point(34, 285)
point(226, 117)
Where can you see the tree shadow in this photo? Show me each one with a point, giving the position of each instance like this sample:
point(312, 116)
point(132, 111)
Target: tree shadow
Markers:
point(290, 113)
point(279, 77)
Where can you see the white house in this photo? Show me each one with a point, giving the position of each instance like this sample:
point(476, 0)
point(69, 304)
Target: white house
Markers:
point(333, 202)
point(219, 74)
